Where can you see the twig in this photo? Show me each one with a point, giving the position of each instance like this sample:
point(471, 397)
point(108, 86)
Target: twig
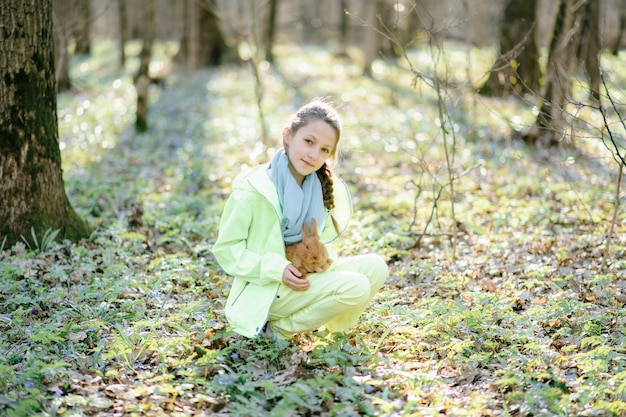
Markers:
point(259, 86)
point(609, 238)
point(619, 158)
point(430, 218)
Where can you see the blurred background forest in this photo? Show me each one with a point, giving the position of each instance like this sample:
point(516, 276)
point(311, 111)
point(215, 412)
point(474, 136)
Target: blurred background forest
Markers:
point(539, 46)
point(544, 57)
point(321, 22)
point(337, 23)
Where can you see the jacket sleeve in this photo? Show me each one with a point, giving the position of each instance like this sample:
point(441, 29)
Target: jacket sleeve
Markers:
point(232, 248)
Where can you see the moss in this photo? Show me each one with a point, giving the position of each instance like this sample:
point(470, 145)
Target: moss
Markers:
point(72, 227)
point(76, 228)
point(32, 116)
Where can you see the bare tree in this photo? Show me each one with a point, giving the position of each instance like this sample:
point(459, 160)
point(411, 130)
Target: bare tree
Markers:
point(438, 80)
point(343, 29)
point(619, 156)
point(617, 45)
point(82, 26)
point(62, 35)
point(121, 12)
point(31, 181)
point(517, 68)
point(271, 31)
point(142, 79)
point(563, 56)
point(202, 44)
point(253, 10)
point(370, 42)
point(589, 46)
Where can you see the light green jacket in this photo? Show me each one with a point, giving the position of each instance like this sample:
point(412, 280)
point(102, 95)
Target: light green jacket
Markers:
point(250, 246)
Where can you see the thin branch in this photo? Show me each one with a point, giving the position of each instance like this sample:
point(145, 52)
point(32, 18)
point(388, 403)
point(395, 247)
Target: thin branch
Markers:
point(606, 123)
point(619, 158)
point(430, 218)
point(607, 246)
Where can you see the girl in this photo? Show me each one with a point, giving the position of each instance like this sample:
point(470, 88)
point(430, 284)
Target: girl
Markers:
point(266, 210)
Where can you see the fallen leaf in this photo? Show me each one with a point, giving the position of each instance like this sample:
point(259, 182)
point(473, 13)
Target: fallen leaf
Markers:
point(488, 285)
point(78, 337)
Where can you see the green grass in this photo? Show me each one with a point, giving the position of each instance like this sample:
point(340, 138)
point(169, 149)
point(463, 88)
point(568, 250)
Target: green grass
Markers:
point(520, 322)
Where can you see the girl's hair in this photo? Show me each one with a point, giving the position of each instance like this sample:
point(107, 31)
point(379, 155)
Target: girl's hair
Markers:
point(319, 109)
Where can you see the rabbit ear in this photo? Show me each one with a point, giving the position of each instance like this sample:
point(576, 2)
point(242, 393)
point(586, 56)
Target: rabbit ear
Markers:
point(306, 231)
point(314, 225)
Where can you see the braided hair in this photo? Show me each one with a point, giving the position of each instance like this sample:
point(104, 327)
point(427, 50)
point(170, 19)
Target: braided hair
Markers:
point(319, 109)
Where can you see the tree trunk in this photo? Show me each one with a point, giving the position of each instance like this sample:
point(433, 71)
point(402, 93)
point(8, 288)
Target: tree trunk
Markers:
point(202, 44)
point(121, 11)
point(589, 46)
point(342, 51)
point(620, 30)
point(62, 36)
point(142, 79)
point(548, 129)
point(388, 24)
point(370, 43)
point(517, 69)
point(31, 181)
point(82, 24)
point(271, 31)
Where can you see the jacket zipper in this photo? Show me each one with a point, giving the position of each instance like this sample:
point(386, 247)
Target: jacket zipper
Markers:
point(240, 292)
point(267, 316)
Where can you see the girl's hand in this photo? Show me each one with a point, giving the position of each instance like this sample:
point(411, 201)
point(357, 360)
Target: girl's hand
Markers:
point(293, 279)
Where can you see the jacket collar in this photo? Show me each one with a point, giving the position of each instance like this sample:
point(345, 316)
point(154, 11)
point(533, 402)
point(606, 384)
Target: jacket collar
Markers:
point(257, 179)
point(261, 182)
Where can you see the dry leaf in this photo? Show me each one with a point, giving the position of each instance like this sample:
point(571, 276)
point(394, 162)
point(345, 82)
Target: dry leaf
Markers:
point(78, 337)
point(488, 285)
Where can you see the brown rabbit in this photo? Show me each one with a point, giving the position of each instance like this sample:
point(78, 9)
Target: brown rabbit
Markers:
point(310, 254)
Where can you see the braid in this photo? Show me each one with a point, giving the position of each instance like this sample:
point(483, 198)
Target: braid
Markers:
point(319, 109)
point(325, 176)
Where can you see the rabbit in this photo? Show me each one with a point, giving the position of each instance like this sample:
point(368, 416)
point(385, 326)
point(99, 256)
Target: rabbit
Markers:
point(310, 254)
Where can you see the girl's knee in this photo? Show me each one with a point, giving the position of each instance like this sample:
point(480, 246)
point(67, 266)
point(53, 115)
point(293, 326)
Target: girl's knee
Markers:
point(378, 269)
point(355, 289)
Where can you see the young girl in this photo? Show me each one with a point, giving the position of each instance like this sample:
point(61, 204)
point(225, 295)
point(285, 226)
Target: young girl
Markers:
point(266, 211)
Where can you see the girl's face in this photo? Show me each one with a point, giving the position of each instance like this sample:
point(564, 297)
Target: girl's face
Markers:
point(309, 148)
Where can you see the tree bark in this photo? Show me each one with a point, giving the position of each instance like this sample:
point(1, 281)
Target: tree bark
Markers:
point(82, 26)
point(548, 129)
point(271, 31)
point(121, 10)
point(589, 46)
point(342, 51)
point(370, 43)
point(517, 69)
point(617, 45)
point(202, 44)
point(62, 35)
point(31, 182)
point(142, 80)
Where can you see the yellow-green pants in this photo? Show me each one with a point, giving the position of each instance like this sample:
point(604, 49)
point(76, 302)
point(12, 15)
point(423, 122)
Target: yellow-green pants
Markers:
point(335, 299)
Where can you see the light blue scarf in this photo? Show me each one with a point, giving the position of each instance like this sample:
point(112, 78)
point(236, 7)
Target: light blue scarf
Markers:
point(299, 204)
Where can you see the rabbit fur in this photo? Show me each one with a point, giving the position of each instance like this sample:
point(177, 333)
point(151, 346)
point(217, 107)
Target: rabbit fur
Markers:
point(309, 255)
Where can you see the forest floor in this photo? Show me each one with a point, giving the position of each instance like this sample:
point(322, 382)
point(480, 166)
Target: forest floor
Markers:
point(503, 299)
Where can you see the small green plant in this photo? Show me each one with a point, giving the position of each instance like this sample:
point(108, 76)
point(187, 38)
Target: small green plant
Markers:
point(46, 243)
